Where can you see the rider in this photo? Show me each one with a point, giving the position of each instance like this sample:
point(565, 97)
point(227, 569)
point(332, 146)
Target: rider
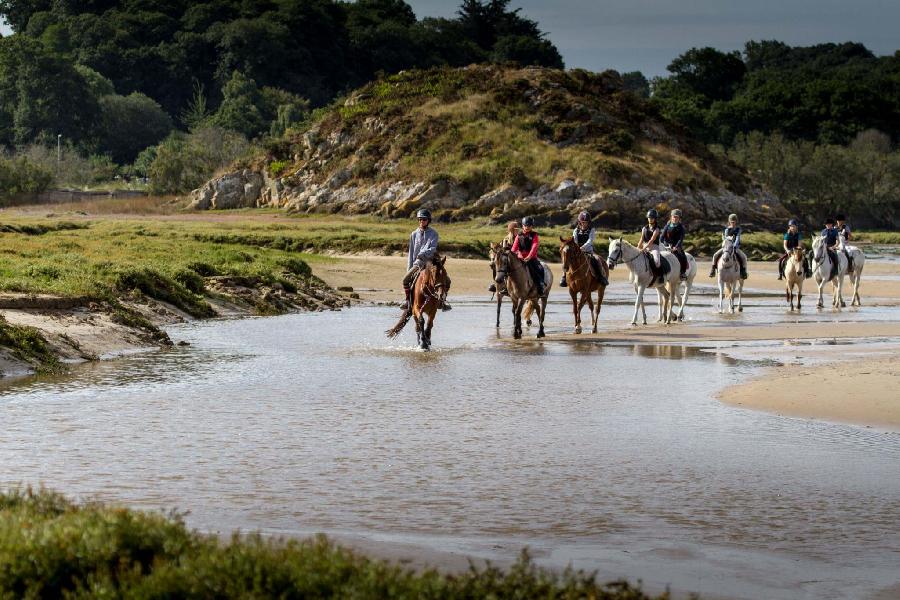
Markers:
point(512, 230)
point(423, 243)
point(673, 237)
point(792, 239)
point(583, 235)
point(844, 231)
point(526, 248)
point(832, 243)
point(732, 232)
point(649, 241)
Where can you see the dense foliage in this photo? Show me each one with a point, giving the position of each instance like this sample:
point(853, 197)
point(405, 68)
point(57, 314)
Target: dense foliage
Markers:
point(827, 93)
point(51, 548)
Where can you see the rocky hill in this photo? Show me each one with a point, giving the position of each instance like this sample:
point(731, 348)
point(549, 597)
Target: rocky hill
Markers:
point(497, 143)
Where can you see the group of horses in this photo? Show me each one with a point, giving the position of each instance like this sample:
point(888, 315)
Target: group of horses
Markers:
point(513, 279)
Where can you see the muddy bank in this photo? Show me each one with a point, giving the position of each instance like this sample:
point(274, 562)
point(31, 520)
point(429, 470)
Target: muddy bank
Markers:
point(861, 392)
point(45, 333)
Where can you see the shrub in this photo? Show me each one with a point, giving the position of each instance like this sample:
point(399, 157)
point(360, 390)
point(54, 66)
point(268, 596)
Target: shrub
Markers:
point(22, 176)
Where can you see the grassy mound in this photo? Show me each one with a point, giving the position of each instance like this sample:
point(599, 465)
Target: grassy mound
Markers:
point(52, 548)
point(486, 126)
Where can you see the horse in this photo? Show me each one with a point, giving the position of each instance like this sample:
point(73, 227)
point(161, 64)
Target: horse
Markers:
point(729, 276)
point(529, 305)
point(513, 271)
point(428, 295)
point(794, 276)
point(582, 281)
point(640, 275)
point(823, 270)
point(859, 261)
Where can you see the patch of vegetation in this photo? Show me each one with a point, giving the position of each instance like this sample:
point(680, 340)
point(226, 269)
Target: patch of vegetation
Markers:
point(155, 285)
point(51, 547)
point(27, 344)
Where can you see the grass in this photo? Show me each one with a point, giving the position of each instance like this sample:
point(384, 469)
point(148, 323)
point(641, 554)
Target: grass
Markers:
point(52, 548)
point(27, 344)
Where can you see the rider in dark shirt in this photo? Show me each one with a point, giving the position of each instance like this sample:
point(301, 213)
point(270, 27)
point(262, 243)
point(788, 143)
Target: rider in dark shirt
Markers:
point(844, 231)
point(733, 233)
point(792, 238)
point(673, 237)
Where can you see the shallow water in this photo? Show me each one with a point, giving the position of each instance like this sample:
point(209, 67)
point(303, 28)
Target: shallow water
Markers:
point(610, 457)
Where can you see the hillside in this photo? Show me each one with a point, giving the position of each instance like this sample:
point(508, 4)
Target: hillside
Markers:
point(488, 141)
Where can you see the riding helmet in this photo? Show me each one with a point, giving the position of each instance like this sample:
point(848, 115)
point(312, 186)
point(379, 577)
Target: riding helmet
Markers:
point(584, 216)
point(830, 221)
point(652, 214)
point(840, 217)
point(423, 213)
point(676, 212)
point(732, 217)
point(794, 222)
point(528, 222)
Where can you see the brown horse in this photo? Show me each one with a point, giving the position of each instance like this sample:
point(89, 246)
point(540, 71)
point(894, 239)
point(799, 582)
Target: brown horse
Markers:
point(501, 291)
point(582, 281)
point(428, 295)
point(513, 272)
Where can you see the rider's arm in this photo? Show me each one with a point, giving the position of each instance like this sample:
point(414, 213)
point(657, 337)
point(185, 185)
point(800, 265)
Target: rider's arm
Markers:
point(534, 249)
point(784, 243)
point(429, 247)
point(588, 246)
point(655, 237)
point(737, 238)
point(412, 244)
point(515, 246)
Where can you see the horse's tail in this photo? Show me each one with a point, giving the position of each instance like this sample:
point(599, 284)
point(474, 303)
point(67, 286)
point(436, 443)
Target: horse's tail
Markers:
point(396, 329)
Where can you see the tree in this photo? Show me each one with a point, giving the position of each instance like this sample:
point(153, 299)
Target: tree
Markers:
point(526, 51)
point(709, 72)
point(636, 83)
point(239, 110)
point(130, 124)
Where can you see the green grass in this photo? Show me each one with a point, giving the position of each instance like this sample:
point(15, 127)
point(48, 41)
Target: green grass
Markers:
point(27, 344)
point(53, 548)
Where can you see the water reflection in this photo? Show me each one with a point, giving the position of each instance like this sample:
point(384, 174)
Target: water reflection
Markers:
point(318, 423)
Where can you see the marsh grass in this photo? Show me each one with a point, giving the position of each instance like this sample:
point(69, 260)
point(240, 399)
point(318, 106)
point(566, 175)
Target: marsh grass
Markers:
point(53, 548)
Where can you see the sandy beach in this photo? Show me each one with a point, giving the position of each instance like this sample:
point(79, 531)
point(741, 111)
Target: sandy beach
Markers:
point(849, 389)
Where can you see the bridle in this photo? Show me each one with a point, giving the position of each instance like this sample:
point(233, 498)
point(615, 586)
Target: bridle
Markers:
point(566, 261)
point(618, 259)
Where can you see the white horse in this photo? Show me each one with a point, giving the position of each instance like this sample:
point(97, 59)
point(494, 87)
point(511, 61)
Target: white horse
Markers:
point(859, 261)
point(794, 275)
point(729, 276)
point(639, 274)
point(822, 269)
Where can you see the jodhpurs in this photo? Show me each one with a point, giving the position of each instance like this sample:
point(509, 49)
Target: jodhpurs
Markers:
point(537, 272)
point(410, 276)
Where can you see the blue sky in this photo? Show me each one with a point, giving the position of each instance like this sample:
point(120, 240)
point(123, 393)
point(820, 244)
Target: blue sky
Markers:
point(645, 35)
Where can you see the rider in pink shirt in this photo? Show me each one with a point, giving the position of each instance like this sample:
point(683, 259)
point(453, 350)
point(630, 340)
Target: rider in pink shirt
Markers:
point(526, 248)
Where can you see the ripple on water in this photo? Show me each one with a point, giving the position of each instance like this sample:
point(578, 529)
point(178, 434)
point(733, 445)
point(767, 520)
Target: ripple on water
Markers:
point(316, 422)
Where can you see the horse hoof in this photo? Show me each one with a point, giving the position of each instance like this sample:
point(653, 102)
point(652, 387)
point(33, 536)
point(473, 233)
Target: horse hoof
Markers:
point(577, 330)
point(594, 330)
point(740, 309)
point(541, 334)
point(528, 323)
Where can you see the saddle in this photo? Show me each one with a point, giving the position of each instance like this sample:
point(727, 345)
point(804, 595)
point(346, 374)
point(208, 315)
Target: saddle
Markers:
point(657, 273)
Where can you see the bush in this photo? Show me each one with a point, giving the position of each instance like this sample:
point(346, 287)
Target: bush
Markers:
point(52, 548)
point(22, 176)
point(155, 285)
point(185, 162)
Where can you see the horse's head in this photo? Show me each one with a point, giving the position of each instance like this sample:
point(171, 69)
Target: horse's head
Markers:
point(797, 255)
point(727, 252)
point(441, 278)
point(500, 262)
point(818, 245)
point(566, 245)
point(615, 253)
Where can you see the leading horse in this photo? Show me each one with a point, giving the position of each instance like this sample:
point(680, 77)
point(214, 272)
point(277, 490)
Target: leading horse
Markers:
point(428, 295)
point(513, 271)
point(501, 291)
point(729, 276)
point(823, 271)
point(582, 281)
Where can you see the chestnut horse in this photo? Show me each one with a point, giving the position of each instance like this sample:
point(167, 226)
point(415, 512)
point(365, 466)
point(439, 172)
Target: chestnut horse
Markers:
point(582, 281)
point(428, 295)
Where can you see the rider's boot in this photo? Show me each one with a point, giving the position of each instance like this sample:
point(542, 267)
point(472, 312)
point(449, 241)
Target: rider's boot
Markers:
point(712, 270)
point(604, 281)
point(781, 271)
point(743, 271)
point(405, 305)
point(562, 281)
point(492, 288)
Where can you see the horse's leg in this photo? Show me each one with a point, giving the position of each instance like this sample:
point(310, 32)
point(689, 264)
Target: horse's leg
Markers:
point(601, 291)
point(428, 330)
point(517, 318)
point(590, 305)
point(855, 300)
point(821, 301)
point(721, 293)
point(799, 293)
point(499, 304)
point(638, 292)
point(542, 310)
point(576, 307)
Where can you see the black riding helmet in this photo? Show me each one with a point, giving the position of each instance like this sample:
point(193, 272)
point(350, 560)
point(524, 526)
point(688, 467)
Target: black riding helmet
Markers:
point(840, 218)
point(528, 222)
point(830, 221)
point(652, 214)
point(423, 213)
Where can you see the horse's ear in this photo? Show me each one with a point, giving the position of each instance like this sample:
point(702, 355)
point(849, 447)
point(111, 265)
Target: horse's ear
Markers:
point(493, 246)
point(443, 260)
point(562, 239)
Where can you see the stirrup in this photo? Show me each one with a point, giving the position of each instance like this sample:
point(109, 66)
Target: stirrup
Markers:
point(492, 288)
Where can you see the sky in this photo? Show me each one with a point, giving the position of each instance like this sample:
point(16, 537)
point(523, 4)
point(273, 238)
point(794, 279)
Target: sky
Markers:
point(645, 35)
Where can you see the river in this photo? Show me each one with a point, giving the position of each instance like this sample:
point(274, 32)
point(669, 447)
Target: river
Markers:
point(610, 457)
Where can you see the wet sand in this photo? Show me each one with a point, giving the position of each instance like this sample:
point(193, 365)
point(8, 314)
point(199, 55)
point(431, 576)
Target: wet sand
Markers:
point(853, 391)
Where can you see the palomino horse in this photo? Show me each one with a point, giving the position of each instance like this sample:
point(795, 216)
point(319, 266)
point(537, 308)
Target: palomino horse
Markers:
point(859, 261)
point(822, 268)
point(729, 276)
point(794, 276)
point(501, 291)
point(640, 275)
point(428, 295)
point(582, 281)
point(514, 272)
